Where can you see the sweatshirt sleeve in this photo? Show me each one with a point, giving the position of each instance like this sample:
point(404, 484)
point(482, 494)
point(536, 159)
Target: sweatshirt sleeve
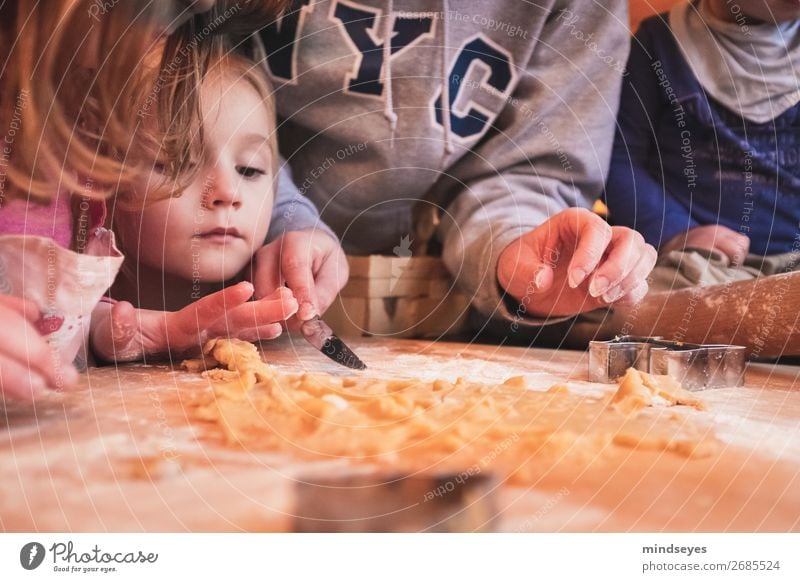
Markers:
point(292, 210)
point(635, 197)
point(548, 150)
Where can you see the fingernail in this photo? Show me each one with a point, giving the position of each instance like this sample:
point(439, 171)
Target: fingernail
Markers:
point(306, 311)
point(293, 306)
point(613, 294)
point(576, 277)
point(538, 278)
point(598, 286)
point(274, 332)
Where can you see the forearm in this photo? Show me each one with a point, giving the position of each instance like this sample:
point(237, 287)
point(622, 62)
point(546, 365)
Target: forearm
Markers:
point(292, 210)
point(550, 153)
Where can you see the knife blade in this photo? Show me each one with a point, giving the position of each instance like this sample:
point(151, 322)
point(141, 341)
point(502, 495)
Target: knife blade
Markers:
point(319, 335)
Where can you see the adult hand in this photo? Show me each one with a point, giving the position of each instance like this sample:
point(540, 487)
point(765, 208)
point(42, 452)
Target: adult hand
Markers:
point(575, 262)
point(715, 237)
point(310, 262)
point(28, 366)
point(121, 333)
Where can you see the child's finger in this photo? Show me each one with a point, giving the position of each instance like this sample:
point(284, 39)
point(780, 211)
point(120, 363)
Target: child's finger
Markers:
point(626, 249)
point(263, 333)
point(279, 294)
point(205, 311)
point(278, 307)
point(123, 323)
point(18, 381)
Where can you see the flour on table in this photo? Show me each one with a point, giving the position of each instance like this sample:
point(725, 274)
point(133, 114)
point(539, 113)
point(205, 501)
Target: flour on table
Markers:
point(439, 424)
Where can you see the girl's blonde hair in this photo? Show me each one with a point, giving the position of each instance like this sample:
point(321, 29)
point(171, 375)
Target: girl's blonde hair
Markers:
point(75, 128)
point(182, 103)
point(174, 137)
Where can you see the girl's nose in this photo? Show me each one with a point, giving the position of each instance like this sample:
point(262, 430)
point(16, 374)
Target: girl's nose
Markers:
point(222, 189)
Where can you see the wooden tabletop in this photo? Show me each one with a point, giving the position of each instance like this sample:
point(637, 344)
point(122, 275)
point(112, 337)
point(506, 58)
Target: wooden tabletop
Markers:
point(121, 453)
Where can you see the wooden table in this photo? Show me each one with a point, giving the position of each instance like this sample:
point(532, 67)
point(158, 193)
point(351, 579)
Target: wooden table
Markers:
point(121, 454)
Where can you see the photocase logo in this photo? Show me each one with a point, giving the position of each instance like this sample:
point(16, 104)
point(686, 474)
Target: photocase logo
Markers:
point(32, 555)
point(402, 251)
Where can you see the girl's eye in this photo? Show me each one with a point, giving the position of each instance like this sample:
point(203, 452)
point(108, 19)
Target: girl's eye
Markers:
point(250, 172)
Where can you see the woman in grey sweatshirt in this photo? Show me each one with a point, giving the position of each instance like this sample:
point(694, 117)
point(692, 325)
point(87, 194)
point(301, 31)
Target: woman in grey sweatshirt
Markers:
point(513, 147)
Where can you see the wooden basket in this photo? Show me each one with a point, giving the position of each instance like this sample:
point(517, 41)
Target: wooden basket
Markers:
point(407, 297)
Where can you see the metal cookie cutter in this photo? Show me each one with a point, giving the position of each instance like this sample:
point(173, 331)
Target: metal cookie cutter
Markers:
point(397, 503)
point(695, 366)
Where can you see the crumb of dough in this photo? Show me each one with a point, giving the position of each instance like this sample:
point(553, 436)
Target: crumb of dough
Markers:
point(418, 425)
point(245, 370)
point(199, 365)
point(637, 389)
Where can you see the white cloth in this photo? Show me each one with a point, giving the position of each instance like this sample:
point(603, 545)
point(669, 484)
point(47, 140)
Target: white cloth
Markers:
point(64, 285)
point(752, 69)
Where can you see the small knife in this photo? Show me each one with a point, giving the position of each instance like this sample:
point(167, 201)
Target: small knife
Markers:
point(319, 335)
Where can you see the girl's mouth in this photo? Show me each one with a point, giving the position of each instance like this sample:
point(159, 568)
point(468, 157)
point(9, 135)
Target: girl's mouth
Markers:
point(220, 235)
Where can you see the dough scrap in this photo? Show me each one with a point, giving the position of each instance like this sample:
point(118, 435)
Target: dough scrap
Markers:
point(417, 425)
point(637, 389)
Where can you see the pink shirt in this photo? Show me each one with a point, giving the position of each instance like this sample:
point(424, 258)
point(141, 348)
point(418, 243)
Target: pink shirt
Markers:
point(55, 221)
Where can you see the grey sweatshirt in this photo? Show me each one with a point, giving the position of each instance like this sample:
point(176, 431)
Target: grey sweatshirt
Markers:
point(521, 131)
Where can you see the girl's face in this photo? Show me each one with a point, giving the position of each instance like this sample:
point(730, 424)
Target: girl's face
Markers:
point(770, 11)
point(210, 232)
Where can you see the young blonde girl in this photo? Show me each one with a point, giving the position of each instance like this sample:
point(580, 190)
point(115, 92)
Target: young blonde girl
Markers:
point(68, 105)
point(187, 255)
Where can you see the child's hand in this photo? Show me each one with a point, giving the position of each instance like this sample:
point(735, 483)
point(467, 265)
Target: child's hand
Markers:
point(310, 262)
point(28, 366)
point(123, 333)
point(575, 262)
point(715, 237)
